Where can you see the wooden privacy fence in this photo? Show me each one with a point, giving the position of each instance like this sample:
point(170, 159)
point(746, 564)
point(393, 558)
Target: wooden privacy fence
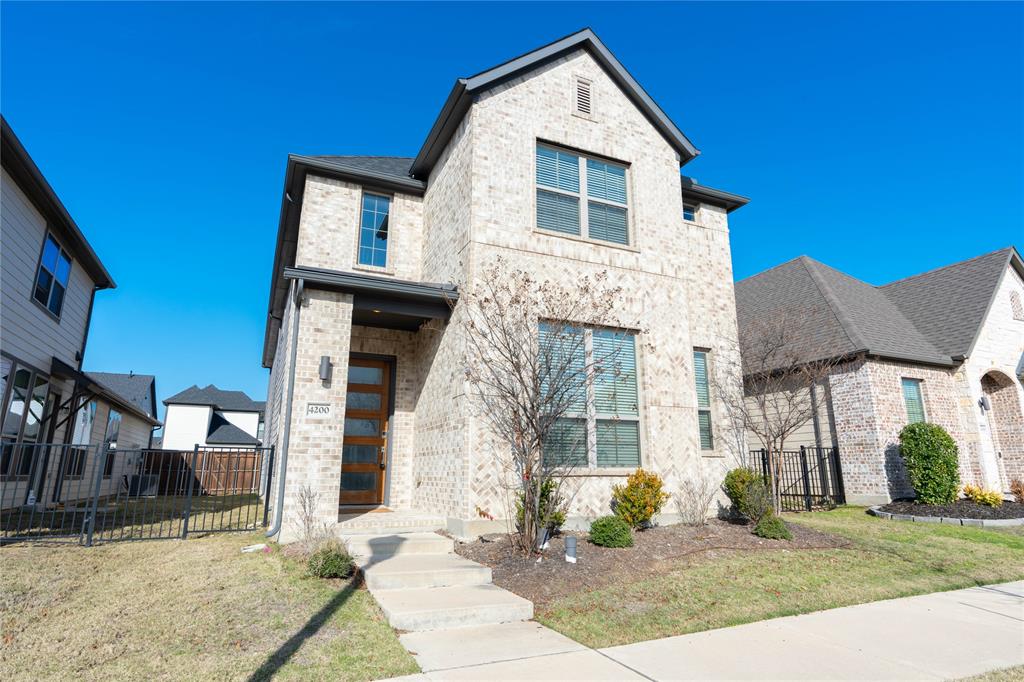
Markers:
point(214, 472)
point(808, 478)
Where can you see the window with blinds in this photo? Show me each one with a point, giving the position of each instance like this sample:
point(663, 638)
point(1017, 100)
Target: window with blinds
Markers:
point(700, 372)
point(581, 196)
point(914, 401)
point(602, 426)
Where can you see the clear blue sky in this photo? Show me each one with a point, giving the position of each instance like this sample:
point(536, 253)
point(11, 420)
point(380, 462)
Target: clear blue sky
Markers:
point(882, 139)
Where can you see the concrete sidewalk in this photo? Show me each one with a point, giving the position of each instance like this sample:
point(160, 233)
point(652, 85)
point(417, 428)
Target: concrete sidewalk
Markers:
point(947, 635)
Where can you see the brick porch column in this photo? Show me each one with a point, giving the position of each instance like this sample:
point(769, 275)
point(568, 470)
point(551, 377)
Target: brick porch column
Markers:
point(314, 457)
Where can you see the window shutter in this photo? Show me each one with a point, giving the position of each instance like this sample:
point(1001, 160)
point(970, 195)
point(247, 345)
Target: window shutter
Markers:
point(606, 181)
point(912, 397)
point(615, 390)
point(618, 443)
point(558, 212)
point(582, 96)
point(558, 169)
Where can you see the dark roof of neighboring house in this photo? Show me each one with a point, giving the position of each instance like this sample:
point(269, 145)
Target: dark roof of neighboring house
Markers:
point(229, 401)
point(223, 432)
point(932, 318)
point(137, 389)
point(949, 304)
point(23, 169)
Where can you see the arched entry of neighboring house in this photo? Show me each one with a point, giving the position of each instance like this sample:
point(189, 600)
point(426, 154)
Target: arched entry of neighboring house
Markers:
point(1005, 426)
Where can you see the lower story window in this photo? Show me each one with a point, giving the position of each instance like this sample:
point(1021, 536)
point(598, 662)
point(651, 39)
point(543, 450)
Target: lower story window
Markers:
point(913, 400)
point(601, 427)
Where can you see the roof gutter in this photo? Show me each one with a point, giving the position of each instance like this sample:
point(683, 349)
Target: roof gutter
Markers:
point(296, 289)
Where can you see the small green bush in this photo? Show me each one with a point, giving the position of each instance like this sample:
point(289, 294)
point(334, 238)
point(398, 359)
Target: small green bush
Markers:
point(611, 531)
point(551, 506)
point(330, 560)
point(640, 499)
point(748, 493)
point(771, 527)
point(931, 459)
point(735, 487)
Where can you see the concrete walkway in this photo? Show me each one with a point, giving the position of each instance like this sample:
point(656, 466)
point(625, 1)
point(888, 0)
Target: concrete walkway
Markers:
point(947, 635)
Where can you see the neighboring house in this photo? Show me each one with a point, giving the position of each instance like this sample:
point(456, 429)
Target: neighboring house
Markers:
point(48, 280)
point(945, 346)
point(559, 163)
point(210, 416)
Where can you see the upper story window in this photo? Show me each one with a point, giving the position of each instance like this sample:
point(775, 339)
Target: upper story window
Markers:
point(914, 401)
point(52, 276)
point(581, 196)
point(700, 371)
point(690, 212)
point(601, 427)
point(373, 230)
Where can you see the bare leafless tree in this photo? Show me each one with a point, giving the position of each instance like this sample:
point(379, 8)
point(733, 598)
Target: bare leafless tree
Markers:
point(528, 367)
point(782, 366)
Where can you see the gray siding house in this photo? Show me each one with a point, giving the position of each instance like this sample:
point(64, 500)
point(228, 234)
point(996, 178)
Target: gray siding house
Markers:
point(48, 282)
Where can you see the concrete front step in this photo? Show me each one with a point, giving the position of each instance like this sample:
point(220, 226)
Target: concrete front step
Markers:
point(389, 522)
point(410, 571)
point(394, 544)
point(437, 608)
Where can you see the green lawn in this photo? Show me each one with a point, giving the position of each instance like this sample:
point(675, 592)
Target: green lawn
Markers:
point(195, 609)
point(885, 559)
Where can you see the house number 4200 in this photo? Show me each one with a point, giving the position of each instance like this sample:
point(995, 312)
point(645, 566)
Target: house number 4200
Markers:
point(318, 410)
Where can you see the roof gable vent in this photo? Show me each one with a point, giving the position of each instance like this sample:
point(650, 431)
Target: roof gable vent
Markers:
point(582, 96)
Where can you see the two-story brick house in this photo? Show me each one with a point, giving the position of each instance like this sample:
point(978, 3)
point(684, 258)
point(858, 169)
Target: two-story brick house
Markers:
point(558, 163)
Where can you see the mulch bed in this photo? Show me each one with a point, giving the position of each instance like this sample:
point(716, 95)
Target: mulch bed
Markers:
point(655, 551)
point(961, 509)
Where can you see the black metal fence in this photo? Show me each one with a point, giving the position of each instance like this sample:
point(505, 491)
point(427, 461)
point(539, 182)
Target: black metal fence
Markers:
point(90, 494)
point(808, 478)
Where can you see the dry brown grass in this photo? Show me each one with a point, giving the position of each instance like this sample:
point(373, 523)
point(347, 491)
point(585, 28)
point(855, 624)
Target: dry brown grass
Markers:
point(197, 609)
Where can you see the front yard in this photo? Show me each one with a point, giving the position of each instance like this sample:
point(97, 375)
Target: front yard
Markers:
point(197, 609)
point(723, 583)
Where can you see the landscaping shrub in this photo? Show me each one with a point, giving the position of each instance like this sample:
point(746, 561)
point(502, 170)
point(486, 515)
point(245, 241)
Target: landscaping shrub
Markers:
point(771, 527)
point(748, 493)
point(640, 499)
point(931, 456)
point(330, 560)
point(989, 498)
point(1017, 489)
point(551, 505)
point(611, 531)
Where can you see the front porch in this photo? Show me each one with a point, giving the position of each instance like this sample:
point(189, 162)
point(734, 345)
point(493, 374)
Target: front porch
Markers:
point(382, 520)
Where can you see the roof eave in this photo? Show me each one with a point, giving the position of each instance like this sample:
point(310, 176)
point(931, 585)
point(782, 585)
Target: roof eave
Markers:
point(1013, 260)
point(717, 197)
point(19, 163)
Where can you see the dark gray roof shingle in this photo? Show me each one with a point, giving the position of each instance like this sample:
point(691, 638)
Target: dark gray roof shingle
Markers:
point(949, 304)
point(231, 401)
point(930, 318)
point(223, 432)
point(394, 166)
point(136, 389)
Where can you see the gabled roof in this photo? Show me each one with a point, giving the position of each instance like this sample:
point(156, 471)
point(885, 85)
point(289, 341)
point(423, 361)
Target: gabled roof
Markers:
point(137, 389)
point(223, 432)
point(932, 318)
point(230, 401)
point(949, 304)
point(461, 97)
point(23, 169)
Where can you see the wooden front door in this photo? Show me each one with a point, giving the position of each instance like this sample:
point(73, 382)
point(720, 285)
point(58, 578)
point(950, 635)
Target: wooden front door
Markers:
point(365, 447)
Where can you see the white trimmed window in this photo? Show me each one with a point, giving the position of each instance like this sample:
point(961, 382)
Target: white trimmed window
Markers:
point(581, 196)
point(601, 428)
point(690, 212)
